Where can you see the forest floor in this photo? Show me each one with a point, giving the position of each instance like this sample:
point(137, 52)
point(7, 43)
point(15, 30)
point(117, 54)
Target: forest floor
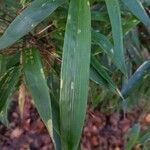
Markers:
point(102, 131)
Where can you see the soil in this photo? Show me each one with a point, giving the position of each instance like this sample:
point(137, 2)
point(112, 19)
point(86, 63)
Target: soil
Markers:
point(102, 131)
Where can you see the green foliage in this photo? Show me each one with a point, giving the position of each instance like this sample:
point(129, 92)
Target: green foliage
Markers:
point(115, 18)
point(75, 73)
point(138, 10)
point(54, 40)
point(27, 20)
point(36, 83)
point(133, 136)
point(8, 82)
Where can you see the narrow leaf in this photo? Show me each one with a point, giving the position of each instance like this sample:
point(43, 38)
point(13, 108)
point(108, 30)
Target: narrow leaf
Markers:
point(115, 18)
point(37, 85)
point(3, 62)
point(133, 136)
point(54, 87)
point(135, 6)
point(134, 80)
point(75, 73)
point(28, 19)
point(103, 75)
point(103, 42)
point(145, 138)
point(7, 84)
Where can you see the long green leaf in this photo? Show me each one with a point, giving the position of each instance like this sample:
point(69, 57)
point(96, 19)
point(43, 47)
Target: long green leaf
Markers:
point(134, 80)
point(37, 85)
point(7, 84)
point(103, 42)
point(103, 75)
point(28, 19)
point(75, 73)
point(2, 64)
point(54, 87)
point(115, 18)
point(98, 71)
point(135, 6)
point(133, 136)
point(145, 138)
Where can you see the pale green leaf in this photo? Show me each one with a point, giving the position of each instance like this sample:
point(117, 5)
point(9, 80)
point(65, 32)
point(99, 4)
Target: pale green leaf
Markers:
point(135, 6)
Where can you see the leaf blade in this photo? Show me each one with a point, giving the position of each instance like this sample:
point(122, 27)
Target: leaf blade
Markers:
point(135, 6)
point(133, 136)
point(36, 83)
point(115, 19)
point(7, 86)
point(75, 73)
point(134, 80)
point(27, 20)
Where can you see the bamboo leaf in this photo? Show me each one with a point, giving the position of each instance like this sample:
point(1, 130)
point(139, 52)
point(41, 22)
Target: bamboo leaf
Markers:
point(75, 73)
point(103, 42)
point(100, 76)
point(27, 20)
point(7, 86)
point(115, 19)
point(103, 75)
point(135, 6)
point(134, 80)
point(54, 87)
point(2, 64)
point(133, 136)
point(36, 83)
point(145, 138)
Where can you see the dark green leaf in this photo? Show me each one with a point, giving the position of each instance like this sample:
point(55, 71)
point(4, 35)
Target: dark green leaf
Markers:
point(37, 85)
point(104, 77)
point(75, 73)
point(3, 62)
point(145, 138)
point(28, 19)
point(54, 86)
point(133, 81)
point(133, 136)
point(7, 84)
point(115, 19)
